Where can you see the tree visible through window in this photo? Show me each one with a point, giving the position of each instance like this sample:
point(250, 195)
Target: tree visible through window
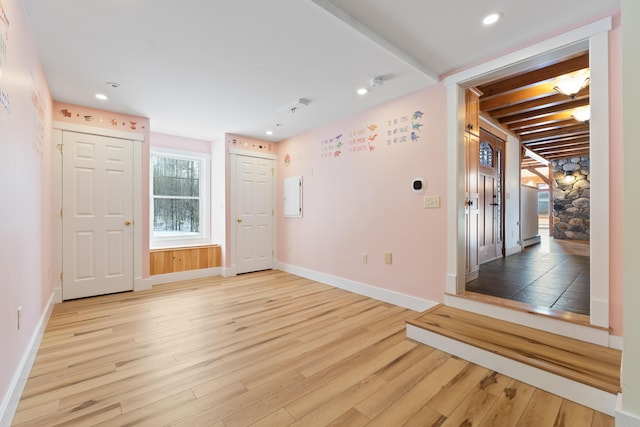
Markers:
point(176, 196)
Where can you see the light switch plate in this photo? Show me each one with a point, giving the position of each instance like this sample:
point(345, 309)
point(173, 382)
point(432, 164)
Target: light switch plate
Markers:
point(431, 202)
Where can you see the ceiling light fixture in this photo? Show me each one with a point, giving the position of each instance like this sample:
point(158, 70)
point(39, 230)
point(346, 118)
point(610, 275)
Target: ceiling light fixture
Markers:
point(570, 84)
point(376, 81)
point(101, 96)
point(294, 105)
point(582, 114)
point(269, 132)
point(362, 91)
point(491, 18)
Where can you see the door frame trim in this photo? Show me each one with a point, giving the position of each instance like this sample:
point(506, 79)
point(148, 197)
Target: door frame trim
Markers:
point(56, 190)
point(593, 36)
point(233, 155)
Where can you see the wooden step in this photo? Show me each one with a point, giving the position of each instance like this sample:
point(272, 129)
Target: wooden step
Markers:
point(564, 366)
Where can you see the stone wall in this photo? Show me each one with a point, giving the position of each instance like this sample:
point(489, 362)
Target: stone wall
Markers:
point(571, 198)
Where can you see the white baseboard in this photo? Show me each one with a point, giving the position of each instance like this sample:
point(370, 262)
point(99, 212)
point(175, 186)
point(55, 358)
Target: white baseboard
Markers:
point(530, 241)
point(615, 342)
point(391, 297)
point(228, 271)
point(10, 404)
point(159, 279)
point(140, 284)
point(624, 418)
point(512, 250)
point(57, 294)
point(564, 387)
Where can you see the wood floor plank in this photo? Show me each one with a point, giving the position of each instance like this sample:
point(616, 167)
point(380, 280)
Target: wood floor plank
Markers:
point(509, 406)
point(573, 415)
point(267, 348)
point(542, 410)
point(411, 402)
point(454, 392)
point(401, 384)
point(472, 410)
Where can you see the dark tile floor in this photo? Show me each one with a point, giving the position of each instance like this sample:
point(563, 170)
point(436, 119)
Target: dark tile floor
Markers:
point(538, 276)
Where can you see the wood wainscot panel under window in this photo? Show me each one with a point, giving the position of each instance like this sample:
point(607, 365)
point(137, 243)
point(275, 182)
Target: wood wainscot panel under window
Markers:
point(183, 259)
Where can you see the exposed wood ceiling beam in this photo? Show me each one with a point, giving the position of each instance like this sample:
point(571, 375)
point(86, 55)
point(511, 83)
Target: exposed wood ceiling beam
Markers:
point(535, 171)
point(544, 111)
point(527, 106)
point(562, 115)
point(536, 76)
point(555, 99)
point(561, 140)
point(548, 126)
point(578, 129)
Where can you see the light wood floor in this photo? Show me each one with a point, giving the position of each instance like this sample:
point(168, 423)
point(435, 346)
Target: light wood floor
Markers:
point(265, 349)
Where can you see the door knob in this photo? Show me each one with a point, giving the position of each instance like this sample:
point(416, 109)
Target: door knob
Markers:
point(239, 220)
point(127, 223)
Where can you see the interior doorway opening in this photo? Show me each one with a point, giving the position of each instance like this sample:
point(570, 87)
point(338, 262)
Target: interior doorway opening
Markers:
point(594, 38)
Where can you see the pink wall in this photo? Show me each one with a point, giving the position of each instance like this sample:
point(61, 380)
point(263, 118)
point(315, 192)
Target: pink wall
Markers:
point(25, 173)
point(87, 116)
point(361, 200)
point(180, 143)
point(616, 183)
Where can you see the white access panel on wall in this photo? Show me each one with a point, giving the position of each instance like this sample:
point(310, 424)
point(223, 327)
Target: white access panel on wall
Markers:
point(293, 196)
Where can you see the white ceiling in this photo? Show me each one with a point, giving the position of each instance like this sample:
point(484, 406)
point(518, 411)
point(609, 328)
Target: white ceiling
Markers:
point(200, 68)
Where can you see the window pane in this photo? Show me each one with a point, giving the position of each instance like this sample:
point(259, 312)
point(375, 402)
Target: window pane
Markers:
point(176, 216)
point(486, 154)
point(176, 177)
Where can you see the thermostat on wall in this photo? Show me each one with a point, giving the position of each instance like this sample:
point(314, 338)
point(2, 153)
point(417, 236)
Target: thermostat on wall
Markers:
point(417, 185)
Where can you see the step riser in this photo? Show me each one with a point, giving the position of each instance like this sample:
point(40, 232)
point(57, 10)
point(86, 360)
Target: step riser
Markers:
point(580, 393)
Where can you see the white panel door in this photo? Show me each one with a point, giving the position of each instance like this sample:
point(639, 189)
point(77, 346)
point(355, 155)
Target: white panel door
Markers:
point(254, 214)
point(97, 220)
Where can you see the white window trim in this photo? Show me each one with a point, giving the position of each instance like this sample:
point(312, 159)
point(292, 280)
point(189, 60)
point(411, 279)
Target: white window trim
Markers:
point(204, 237)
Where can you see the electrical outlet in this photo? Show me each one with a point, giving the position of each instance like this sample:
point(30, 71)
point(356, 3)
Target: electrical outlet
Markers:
point(364, 257)
point(388, 258)
point(431, 202)
point(19, 316)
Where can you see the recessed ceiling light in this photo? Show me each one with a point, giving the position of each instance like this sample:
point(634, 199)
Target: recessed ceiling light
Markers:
point(491, 19)
point(101, 96)
point(269, 132)
point(362, 91)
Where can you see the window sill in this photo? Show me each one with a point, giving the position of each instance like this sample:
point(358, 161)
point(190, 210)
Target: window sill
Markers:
point(177, 245)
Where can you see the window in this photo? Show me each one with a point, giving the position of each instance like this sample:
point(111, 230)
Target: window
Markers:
point(179, 208)
point(486, 154)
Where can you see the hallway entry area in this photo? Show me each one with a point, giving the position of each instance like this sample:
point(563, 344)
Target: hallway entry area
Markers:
point(553, 274)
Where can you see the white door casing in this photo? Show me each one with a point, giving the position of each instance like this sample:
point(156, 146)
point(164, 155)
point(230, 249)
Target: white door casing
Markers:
point(593, 36)
point(97, 220)
point(252, 221)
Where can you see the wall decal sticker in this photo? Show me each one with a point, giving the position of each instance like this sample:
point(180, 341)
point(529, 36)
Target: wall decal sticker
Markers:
point(402, 129)
point(287, 159)
point(405, 128)
point(38, 115)
point(83, 114)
